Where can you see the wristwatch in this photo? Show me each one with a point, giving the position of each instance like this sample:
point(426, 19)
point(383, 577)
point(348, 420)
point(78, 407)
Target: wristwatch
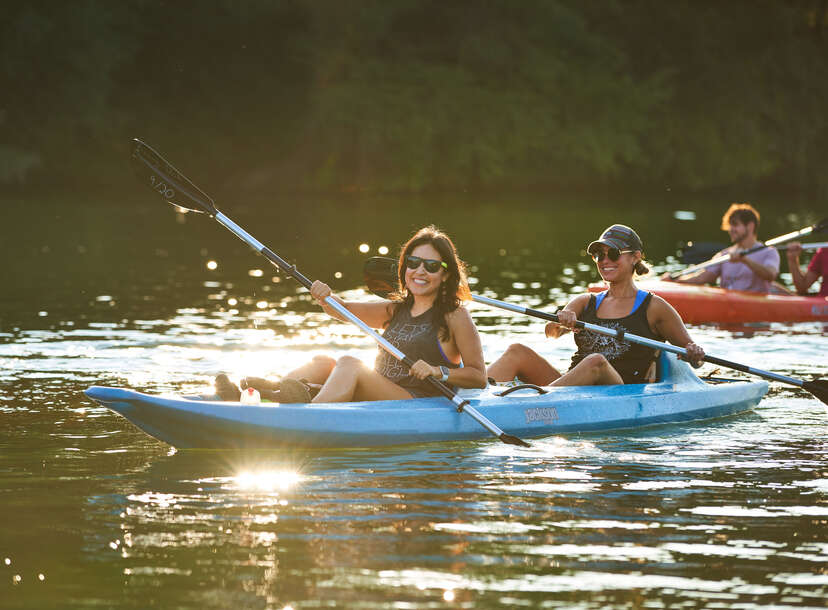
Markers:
point(445, 371)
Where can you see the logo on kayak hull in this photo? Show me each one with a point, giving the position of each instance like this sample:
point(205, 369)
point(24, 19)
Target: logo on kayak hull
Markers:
point(819, 310)
point(547, 415)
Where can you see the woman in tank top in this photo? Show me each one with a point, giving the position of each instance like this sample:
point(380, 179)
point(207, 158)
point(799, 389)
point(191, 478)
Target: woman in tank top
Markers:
point(603, 360)
point(424, 318)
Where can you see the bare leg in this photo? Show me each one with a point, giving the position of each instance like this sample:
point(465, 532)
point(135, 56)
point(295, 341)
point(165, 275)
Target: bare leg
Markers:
point(352, 380)
point(592, 370)
point(316, 371)
point(525, 363)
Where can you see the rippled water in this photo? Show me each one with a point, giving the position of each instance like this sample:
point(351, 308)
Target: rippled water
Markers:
point(728, 513)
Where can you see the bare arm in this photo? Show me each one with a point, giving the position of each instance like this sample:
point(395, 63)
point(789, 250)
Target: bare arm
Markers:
point(665, 320)
point(801, 282)
point(466, 345)
point(704, 276)
point(467, 339)
point(567, 316)
point(374, 313)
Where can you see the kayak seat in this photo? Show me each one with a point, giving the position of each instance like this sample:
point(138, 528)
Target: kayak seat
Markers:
point(661, 365)
point(665, 362)
point(669, 368)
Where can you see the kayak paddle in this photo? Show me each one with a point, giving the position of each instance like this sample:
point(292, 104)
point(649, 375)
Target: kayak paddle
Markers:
point(818, 227)
point(177, 189)
point(381, 278)
point(809, 246)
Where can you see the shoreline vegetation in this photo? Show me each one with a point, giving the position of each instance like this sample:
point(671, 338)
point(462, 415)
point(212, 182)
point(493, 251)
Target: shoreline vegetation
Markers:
point(402, 96)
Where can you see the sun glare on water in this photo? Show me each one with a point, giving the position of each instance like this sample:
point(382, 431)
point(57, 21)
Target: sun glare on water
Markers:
point(268, 480)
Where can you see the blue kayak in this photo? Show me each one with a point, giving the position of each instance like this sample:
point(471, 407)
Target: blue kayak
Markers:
point(680, 396)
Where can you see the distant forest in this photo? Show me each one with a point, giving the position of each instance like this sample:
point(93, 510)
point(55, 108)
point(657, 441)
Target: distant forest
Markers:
point(418, 95)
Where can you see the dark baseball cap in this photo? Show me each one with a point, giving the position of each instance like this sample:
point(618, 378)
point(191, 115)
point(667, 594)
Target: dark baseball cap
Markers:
point(619, 236)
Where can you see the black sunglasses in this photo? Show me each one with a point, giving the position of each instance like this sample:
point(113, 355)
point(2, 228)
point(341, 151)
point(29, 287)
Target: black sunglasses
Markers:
point(612, 253)
point(431, 265)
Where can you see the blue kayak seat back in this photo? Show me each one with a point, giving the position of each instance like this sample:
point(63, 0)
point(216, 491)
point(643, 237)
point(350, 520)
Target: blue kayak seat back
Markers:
point(662, 365)
point(670, 368)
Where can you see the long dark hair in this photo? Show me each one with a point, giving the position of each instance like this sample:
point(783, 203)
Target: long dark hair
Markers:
point(453, 291)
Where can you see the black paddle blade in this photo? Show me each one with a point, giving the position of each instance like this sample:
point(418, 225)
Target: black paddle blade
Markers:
point(819, 388)
point(513, 440)
point(380, 275)
point(821, 226)
point(157, 173)
point(381, 288)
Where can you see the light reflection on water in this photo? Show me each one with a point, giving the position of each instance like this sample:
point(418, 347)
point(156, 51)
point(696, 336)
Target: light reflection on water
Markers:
point(416, 523)
point(606, 519)
point(729, 513)
point(267, 480)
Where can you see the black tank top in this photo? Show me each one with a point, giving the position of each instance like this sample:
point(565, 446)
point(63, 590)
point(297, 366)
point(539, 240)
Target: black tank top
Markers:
point(417, 337)
point(631, 360)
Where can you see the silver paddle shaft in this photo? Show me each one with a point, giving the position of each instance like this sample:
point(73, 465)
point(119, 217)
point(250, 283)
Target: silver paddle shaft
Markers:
point(603, 330)
point(726, 257)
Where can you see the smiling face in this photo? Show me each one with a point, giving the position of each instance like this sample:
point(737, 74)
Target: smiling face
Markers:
point(419, 281)
point(613, 271)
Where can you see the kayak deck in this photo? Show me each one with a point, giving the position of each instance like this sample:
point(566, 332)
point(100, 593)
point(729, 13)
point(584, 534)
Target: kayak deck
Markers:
point(195, 423)
point(707, 304)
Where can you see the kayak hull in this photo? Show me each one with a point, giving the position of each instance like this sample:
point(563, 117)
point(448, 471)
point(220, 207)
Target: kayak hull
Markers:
point(707, 304)
point(188, 423)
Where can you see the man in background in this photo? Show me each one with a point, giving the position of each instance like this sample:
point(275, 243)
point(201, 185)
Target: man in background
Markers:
point(753, 272)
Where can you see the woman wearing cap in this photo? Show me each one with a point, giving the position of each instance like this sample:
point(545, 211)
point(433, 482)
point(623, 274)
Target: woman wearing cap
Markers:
point(603, 360)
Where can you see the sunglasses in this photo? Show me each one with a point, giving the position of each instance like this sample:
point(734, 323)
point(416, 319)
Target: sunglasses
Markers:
point(612, 253)
point(431, 265)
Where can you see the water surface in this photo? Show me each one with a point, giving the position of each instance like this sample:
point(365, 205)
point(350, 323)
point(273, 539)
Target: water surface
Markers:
point(723, 514)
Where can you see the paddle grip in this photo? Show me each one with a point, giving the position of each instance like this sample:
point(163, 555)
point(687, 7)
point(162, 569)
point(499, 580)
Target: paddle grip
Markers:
point(727, 363)
point(752, 371)
point(290, 270)
point(546, 315)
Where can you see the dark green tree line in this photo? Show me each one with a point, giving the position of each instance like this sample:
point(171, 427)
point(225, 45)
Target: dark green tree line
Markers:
point(416, 95)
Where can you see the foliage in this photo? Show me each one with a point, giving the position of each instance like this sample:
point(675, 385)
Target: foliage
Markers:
point(413, 95)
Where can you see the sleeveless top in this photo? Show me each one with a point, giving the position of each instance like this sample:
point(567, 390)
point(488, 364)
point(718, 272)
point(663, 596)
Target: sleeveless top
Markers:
point(418, 338)
point(631, 360)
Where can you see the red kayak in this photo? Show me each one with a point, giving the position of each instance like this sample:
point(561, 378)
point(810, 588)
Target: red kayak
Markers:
point(706, 304)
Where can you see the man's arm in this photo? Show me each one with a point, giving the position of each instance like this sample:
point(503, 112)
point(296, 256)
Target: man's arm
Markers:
point(801, 282)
